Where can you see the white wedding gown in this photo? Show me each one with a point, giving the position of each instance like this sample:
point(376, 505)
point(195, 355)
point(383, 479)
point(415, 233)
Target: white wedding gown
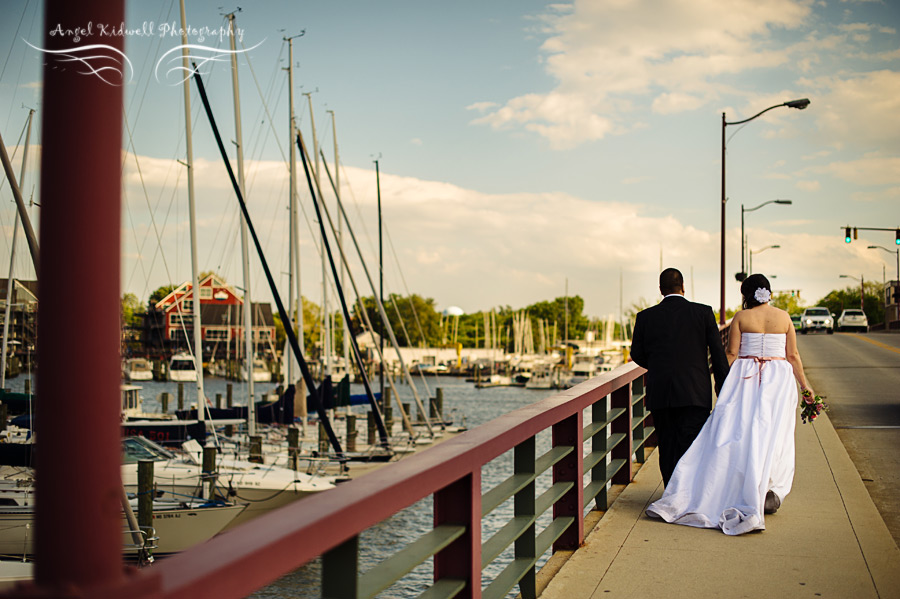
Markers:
point(745, 449)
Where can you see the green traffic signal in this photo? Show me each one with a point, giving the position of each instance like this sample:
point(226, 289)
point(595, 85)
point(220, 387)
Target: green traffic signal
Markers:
point(897, 238)
point(848, 239)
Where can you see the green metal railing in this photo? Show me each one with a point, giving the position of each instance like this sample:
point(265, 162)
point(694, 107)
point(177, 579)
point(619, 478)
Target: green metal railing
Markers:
point(520, 531)
point(582, 460)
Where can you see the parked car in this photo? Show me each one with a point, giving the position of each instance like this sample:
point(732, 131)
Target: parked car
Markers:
point(795, 318)
point(817, 319)
point(853, 320)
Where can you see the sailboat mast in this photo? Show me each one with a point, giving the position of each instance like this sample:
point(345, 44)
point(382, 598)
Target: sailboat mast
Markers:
point(289, 374)
point(326, 325)
point(245, 255)
point(195, 272)
point(340, 237)
point(380, 274)
point(295, 302)
point(12, 256)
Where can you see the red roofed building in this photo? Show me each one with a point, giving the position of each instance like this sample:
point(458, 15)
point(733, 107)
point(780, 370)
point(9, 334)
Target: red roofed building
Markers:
point(221, 315)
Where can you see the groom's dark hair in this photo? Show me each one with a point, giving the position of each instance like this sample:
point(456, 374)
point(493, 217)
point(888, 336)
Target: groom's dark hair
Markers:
point(671, 281)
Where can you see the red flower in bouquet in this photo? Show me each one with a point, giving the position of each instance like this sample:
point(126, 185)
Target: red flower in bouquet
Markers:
point(811, 406)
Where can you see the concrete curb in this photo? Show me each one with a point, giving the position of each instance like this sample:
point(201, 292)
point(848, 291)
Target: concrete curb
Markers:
point(879, 550)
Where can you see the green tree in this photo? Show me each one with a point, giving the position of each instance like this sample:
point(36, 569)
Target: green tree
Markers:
point(788, 302)
point(132, 309)
point(839, 300)
point(160, 293)
point(405, 315)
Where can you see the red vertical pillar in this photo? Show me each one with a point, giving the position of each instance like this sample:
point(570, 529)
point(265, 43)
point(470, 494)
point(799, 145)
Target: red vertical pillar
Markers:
point(460, 503)
point(79, 527)
point(570, 432)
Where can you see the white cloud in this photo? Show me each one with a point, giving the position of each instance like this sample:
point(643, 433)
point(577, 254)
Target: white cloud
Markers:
point(669, 103)
point(808, 185)
point(889, 194)
point(482, 106)
point(606, 54)
point(857, 108)
point(870, 170)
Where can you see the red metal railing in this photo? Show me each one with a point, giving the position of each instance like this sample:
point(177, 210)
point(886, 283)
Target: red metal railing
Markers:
point(249, 557)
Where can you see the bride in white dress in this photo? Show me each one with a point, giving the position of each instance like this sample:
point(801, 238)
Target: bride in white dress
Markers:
point(741, 465)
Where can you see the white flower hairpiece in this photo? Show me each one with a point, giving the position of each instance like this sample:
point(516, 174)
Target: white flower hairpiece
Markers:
point(762, 295)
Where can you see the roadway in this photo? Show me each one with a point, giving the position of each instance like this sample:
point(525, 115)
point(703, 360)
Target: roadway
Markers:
point(859, 374)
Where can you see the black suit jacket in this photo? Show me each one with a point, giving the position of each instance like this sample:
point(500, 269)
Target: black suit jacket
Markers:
point(671, 341)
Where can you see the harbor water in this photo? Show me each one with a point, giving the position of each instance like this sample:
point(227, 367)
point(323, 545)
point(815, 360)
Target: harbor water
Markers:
point(464, 403)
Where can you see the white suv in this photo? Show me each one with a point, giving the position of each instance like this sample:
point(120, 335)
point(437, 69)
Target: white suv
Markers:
point(816, 319)
point(853, 319)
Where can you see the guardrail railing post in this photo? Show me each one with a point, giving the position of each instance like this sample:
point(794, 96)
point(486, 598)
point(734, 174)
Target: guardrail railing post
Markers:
point(460, 503)
point(621, 398)
point(340, 571)
point(524, 505)
point(569, 432)
point(638, 412)
point(599, 412)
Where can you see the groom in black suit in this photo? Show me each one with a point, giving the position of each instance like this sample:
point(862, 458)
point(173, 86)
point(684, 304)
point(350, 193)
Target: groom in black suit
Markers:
point(675, 341)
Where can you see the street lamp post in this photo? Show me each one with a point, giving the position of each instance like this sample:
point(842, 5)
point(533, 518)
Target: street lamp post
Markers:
point(798, 104)
point(862, 288)
point(897, 253)
point(743, 274)
point(759, 251)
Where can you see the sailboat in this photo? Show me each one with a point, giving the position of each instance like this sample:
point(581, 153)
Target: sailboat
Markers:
point(178, 524)
point(262, 487)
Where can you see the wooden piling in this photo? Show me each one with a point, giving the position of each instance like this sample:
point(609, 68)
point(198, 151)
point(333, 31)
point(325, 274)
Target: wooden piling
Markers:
point(27, 386)
point(351, 432)
point(370, 427)
point(256, 453)
point(165, 395)
point(229, 397)
point(209, 471)
point(145, 496)
point(323, 440)
point(294, 447)
point(218, 401)
point(387, 410)
point(180, 396)
point(3, 416)
point(438, 404)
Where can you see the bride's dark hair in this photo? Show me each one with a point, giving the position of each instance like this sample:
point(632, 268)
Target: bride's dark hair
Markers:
point(749, 287)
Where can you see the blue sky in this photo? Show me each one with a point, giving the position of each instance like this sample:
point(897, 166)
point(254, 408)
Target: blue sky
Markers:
point(522, 144)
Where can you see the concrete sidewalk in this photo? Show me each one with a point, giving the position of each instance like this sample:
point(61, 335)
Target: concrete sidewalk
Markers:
point(827, 540)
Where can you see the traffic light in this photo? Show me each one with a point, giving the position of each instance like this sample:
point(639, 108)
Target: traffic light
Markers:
point(855, 235)
point(848, 239)
point(897, 237)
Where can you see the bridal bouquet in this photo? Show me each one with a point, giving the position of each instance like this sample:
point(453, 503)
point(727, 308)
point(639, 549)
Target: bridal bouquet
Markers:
point(811, 406)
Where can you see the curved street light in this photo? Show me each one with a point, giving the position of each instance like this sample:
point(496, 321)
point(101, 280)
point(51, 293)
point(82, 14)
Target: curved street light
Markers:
point(897, 252)
point(743, 274)
point(799, 105)
point(759, 251)
point(862, 288)
point(896, 307)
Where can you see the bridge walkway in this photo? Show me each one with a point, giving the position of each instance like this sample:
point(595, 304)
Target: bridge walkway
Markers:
point(827, 540)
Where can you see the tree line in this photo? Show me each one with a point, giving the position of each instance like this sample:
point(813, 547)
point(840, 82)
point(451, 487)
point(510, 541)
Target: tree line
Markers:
point(416, 321)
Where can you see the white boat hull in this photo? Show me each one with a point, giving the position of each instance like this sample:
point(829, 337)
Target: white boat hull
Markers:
point(139, 375)
point(262, 487)
point(177, 529)
point(183, 376)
